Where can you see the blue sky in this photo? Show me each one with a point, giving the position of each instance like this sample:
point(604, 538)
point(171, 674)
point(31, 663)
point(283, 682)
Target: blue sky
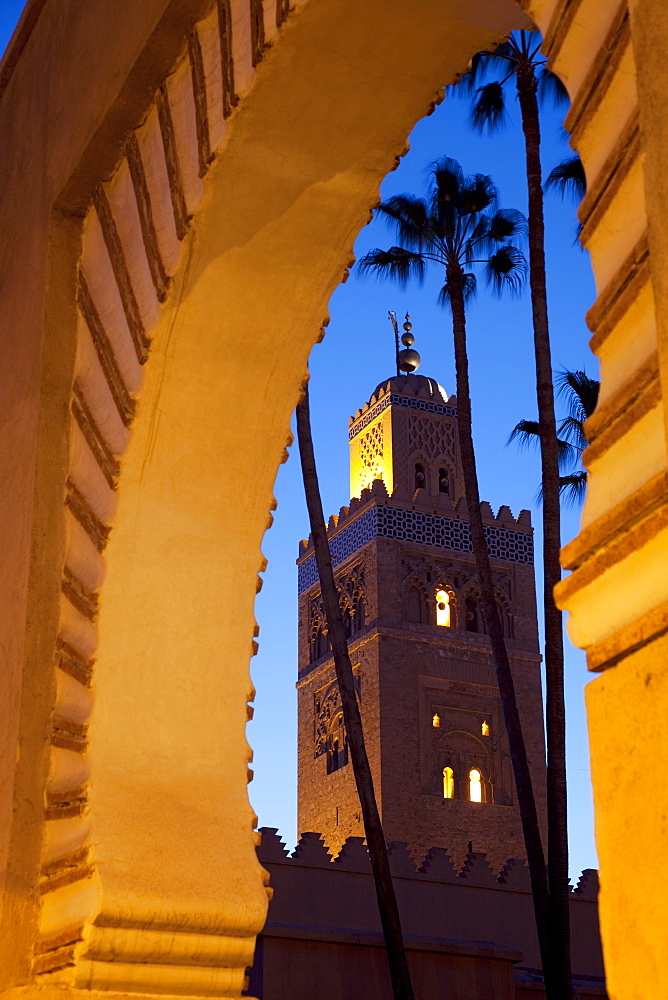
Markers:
point(357, 354)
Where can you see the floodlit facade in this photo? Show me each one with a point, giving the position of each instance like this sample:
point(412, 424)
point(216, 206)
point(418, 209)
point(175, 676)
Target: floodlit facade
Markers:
point(181, 177)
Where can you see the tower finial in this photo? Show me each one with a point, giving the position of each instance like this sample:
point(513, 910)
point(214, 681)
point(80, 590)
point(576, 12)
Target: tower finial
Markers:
point(408, 360)
point(392, 316)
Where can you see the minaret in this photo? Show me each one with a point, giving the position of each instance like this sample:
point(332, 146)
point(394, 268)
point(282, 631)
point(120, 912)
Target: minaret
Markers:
point(430, 705)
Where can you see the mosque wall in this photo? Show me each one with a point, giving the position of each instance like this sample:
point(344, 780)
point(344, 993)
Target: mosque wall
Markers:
point(462, 924)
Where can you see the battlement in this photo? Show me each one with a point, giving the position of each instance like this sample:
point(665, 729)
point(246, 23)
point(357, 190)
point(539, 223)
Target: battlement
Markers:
point(414, 391)
point(430, 520)
point(435, 866)
point(439, 504)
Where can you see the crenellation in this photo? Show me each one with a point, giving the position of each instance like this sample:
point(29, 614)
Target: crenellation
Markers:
point(515, 875)
point(401, 862)
point(587, 886)
point(354, 855)
point(438, 866)
point(272, 846)
point(486, 511)
point(311, 851)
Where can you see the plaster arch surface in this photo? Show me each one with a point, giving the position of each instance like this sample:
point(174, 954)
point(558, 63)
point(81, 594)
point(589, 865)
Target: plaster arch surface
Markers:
point(264, 209)
point(263, 236)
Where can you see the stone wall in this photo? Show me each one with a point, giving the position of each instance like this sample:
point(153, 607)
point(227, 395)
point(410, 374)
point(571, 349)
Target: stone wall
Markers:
point(473, 929)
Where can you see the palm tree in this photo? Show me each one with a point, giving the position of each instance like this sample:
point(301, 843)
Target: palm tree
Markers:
point(519, 59)
point(458, 227)
point(402, 988)
point(581, 393)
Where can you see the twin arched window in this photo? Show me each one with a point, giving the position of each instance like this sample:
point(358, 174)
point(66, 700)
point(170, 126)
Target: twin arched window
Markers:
point(476, 787)
point(421, 478)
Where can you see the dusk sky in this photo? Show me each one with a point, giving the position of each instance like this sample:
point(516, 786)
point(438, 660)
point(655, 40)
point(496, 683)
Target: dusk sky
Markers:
point(357, 354)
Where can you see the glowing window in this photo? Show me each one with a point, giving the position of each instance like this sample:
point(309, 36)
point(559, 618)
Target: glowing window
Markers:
point(442, 607)
point(448, 783)
point(436, 721)
point(485, 729)
point(475, 785)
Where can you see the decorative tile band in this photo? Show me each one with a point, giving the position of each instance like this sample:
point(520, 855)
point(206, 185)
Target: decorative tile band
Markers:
point(411, 401)
point(424, 529)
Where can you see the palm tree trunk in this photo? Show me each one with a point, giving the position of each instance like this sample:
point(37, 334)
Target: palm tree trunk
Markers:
point(518, 754)
point(402, 988)
point(557, 816)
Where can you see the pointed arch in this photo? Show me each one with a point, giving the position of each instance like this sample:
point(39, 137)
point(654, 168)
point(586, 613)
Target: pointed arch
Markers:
point(445, 605)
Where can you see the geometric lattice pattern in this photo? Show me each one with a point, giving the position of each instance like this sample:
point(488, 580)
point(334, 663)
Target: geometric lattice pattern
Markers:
point(424, 529)
point(427, 437)
point(371, 451)
point(394, 399)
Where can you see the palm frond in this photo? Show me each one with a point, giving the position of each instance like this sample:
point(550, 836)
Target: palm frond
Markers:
point(507, 224)
point(572, 430)
point(489, 108)
point(507, 268)
point(580, 391)
point(397, 263)
point(447, 178)
point(526, 433)
point(408, 216)
point(573, 488)
point(483, 63)
point(550, 88)
point(568, 178)
point(477, 194)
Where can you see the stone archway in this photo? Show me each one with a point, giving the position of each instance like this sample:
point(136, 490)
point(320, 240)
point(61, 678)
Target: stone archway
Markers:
point(191, 256)
point(124, 167)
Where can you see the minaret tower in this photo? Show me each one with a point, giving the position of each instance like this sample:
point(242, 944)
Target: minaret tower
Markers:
point(430, 704)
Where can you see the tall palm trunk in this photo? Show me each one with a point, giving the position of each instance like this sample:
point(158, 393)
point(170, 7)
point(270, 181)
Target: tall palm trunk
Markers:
point(402, 988)
point(557, 845)
point(518, 754)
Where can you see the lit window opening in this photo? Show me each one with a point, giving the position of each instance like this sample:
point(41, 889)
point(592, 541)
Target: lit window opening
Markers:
point(448, 783)
point(485, 729)
point(442, 608)
point(436, 721)
point(475, 785)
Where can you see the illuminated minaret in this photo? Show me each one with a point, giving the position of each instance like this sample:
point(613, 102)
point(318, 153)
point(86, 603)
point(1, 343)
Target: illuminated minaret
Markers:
point(430, 705)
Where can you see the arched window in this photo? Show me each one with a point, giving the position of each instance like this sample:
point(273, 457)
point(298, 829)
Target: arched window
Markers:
point(442, 607)
point(443, 481)
point(320, 644)
point(471, 614)
point(448, 783)
point(414, 605)
point(436, 720)
point(337, 746)
point(359, 616)
point(420, 478)
point(475, 785)
point(484, 729)
point(348, 623)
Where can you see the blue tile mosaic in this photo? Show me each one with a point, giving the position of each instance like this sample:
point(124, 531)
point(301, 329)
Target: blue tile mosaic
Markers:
point(411, 401)
point(424, 529)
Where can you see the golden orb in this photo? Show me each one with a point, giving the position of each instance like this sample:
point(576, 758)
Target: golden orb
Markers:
point(408, 361)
